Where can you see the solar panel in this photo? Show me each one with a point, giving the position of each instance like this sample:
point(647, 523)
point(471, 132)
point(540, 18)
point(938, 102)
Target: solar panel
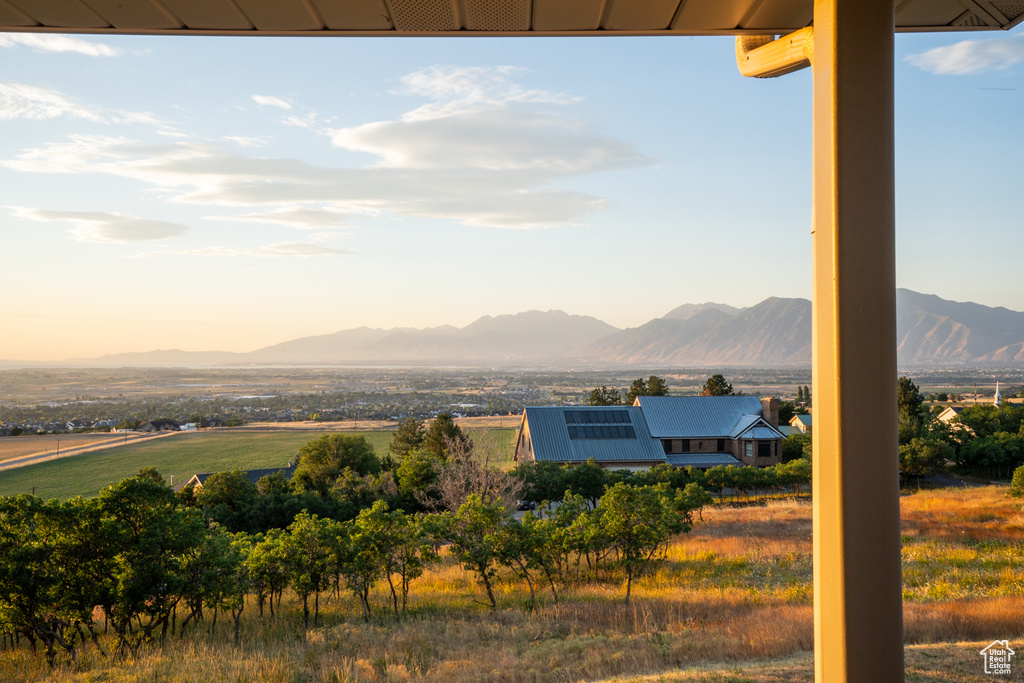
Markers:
point(612, 431)
point(591, 417)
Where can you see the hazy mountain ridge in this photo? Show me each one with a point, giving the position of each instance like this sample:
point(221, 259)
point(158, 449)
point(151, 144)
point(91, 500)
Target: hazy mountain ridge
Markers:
point(775, 332)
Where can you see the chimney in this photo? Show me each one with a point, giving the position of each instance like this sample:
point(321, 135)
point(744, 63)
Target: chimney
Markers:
point(770, 409)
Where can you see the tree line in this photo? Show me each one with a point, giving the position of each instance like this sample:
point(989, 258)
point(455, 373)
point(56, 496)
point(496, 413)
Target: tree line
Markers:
point(157, 567)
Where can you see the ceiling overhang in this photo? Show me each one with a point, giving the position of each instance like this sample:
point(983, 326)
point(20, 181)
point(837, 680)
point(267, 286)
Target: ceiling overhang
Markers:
point(473, 17)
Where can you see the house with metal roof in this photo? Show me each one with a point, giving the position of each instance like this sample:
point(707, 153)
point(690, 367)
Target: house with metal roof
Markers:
point(684, 431)
point(802, 422)
point(615, 436)
point(704, 431)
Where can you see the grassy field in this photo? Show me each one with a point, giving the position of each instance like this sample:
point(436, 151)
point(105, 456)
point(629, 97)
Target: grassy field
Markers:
point(12, 447)
point(731, 602)
point(182, 455)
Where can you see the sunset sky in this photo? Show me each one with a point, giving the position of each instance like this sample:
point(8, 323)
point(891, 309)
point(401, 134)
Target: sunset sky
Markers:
point(230, 193)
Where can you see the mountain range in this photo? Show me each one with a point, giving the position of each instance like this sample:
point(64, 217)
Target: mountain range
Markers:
point(775, 332)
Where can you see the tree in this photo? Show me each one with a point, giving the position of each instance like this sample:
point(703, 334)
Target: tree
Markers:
point(407, 437)
point(604, 397)
point(229, 498)
point(1017, 483)
point(912, 413)
point(795, 447)
point(716, 385)
point(652, 386)
point(442, 433)
point(321, 461)
point(309, 546)
point(922, 457)
point(471, 531)
point(640, 520)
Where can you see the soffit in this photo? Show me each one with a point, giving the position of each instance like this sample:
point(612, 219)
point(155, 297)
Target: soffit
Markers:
point(473, 17)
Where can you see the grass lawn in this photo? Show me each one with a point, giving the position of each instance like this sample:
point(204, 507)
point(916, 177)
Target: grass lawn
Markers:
point(181, 456)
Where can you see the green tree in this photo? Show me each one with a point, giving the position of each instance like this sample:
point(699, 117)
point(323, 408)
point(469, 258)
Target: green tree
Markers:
point(147, 534)
point(417, 474)
point(796, 446)
point(922, 457)
point(443, 435)
point(409, 436)
point(472, 534)
point(604, 397)
point(230, 499)
point(716, 385)
point(640, 520)
point(1017, 483)
point(309, 546)
point(912, 413)
point(268, 569)
point(652, 386)
point(321, 461)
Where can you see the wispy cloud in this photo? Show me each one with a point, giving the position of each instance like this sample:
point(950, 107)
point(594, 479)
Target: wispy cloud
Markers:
point(23, 101)
point(18, 100)
point(484, 152)
point(91, 226)
point(242, 141)
point(51, 42)
point(301, 217)
point(268, 101)
point(972, 56)
point(272, 250)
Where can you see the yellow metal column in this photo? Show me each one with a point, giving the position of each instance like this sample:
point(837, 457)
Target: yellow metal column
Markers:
point(858, 610)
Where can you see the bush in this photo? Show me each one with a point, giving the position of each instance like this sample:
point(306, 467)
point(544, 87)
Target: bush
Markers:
point(1017, 484)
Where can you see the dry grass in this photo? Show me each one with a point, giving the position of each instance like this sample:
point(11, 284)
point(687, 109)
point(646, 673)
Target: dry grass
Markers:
point(731, 602)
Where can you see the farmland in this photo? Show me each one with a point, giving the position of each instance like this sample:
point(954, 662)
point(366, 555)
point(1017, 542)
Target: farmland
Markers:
point(730, 601)
point(179, 455)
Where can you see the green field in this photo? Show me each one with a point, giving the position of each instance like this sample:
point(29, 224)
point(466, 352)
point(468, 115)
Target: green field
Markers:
point(183, 455)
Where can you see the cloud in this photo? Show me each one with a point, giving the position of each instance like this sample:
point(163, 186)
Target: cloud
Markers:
point(267, 101)
point(19, 100)
point(971, 56)
point(484, 152)
point(272, 250)
point(51, 42)
point(246, 142)
point(300, 217)
point(105, 227)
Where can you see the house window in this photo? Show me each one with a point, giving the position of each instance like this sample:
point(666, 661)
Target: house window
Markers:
point(720, 447)
point(684, 445)
point(666, 445)
point(764, 449)
point(748, 449)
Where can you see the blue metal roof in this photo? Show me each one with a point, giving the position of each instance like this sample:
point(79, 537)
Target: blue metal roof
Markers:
point(762, 431)
point(701, 460)
point(549, 429)
point(691, 417)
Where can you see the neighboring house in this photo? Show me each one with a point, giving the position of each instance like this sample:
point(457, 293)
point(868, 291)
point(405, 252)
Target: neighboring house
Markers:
point(801, 422)
point(254, 476)
point(948, 413)
point(684, 431)
point(615, 436)
point(704, 431)
point(212, 422)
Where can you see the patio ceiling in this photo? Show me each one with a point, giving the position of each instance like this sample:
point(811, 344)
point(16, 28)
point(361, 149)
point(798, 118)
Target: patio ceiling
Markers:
point(473, 17)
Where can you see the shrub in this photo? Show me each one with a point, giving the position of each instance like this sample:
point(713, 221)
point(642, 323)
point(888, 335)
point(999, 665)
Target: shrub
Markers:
point(1017, 483)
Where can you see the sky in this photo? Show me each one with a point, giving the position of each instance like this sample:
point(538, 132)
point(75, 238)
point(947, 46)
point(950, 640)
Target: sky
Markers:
point(216, 193)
